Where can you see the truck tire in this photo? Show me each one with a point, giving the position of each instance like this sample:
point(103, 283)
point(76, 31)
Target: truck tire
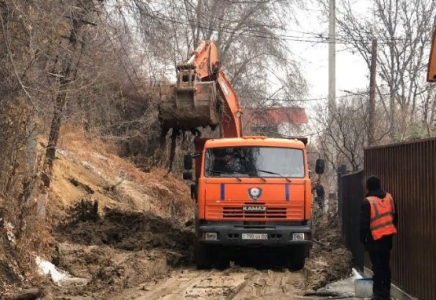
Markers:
point(202, 256)
point(297, 258)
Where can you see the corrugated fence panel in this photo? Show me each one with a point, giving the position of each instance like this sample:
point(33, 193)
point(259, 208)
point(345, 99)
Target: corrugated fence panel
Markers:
point(351, 201)
point(408, 172)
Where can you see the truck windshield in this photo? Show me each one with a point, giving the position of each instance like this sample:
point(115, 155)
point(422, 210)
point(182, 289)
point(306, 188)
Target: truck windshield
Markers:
point(254, 162)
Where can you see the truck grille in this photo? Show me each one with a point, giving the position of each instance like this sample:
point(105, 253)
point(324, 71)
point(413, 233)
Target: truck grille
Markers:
point(270, 213)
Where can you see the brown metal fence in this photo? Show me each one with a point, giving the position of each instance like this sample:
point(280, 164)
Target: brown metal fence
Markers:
point(408, 172)
point(351, 197)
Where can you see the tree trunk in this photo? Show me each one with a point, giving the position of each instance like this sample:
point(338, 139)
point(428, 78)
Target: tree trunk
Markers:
point(55, 126)
point(61, 99)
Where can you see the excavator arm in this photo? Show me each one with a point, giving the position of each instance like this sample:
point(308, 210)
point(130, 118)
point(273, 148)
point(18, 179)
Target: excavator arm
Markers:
point(431, 72)
point(201, 97)
point(231, 118)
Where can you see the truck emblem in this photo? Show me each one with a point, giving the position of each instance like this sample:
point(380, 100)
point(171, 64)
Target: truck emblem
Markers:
point(254, 208)
point(255, 193)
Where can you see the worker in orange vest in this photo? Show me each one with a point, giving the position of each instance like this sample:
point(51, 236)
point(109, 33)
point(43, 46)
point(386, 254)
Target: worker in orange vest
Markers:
point(378, 224)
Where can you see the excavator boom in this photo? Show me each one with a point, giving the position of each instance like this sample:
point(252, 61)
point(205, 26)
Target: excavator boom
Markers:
point(231, 118)
point(202, 96)
point(431, 73)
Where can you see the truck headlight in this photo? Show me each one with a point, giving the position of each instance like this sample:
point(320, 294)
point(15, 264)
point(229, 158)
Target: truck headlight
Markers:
point(211, 236)
point(298, 236)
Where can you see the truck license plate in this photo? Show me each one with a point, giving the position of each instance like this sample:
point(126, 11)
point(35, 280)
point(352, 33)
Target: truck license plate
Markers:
point(254, 236)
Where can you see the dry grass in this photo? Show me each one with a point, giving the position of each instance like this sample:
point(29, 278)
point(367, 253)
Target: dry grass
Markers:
point(115, 181)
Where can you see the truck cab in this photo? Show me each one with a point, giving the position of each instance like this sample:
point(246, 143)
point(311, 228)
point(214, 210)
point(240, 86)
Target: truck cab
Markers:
point(252, 192)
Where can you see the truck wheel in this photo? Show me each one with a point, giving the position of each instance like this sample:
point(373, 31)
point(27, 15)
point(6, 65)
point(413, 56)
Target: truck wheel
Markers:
point(297, 259)
point(202, 256)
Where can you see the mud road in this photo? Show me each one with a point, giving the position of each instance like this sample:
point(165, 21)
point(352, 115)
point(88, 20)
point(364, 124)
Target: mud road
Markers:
point(132, 255)
point(234, 283)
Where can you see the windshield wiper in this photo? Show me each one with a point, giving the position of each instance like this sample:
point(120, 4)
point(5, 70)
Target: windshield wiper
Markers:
point(274, 173)
point(228, 173)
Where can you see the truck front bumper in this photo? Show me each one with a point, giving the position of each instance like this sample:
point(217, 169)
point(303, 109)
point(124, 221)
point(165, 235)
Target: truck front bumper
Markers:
point(241, 235)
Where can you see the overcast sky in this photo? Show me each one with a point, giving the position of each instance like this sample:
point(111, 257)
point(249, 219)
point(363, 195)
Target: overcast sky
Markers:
point(351, 71)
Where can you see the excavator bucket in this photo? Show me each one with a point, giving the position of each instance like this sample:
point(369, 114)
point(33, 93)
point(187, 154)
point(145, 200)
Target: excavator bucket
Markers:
point(189, 103)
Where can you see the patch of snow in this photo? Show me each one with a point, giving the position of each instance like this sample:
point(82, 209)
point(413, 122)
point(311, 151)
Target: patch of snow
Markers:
point(64, 153)
point(99, 156)
point(61, 151)
point(59, 277)
point(355, 274)
point(344, 287)
point(9, 232)
point(96, 171)
point(87, 165)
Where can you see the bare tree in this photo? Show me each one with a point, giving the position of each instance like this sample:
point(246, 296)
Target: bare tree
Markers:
point(79, 15)
point(248, 34)
point(403, 29)
point(345, 131)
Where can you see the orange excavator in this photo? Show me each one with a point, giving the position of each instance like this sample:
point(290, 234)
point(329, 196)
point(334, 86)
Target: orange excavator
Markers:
point(251, 192)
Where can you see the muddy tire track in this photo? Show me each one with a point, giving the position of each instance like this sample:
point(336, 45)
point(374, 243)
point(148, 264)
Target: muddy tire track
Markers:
point(231, 284)
point(131, 255)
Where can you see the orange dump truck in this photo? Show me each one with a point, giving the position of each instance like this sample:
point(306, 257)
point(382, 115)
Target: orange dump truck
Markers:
point(251, 192)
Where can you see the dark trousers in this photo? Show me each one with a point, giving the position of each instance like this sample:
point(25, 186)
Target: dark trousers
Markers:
point(382, 274)
point(320, 201)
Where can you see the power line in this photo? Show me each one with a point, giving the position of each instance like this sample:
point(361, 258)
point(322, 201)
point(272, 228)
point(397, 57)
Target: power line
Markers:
point(260, 34)
point(316, 35)
point(307, 99)
point(315, 38)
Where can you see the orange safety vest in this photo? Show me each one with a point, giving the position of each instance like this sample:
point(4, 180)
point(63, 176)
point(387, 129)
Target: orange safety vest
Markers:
point(382, 216)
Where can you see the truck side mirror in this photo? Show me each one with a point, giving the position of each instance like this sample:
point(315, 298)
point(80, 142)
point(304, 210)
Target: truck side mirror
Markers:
point(187, 175)
point(319, 166)
point(187, 162)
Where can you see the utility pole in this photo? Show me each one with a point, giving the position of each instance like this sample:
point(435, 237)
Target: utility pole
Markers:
point(372, 88)
point(332, 87)
point(332, 57)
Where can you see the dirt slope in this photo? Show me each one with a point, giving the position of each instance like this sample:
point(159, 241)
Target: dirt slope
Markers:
point(113, 224)
point(90, 169)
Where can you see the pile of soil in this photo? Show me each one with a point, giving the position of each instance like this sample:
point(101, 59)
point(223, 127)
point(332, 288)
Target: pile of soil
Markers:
point(121, 229)
point(108, 270)
point(117, 249)
point(329, 259)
